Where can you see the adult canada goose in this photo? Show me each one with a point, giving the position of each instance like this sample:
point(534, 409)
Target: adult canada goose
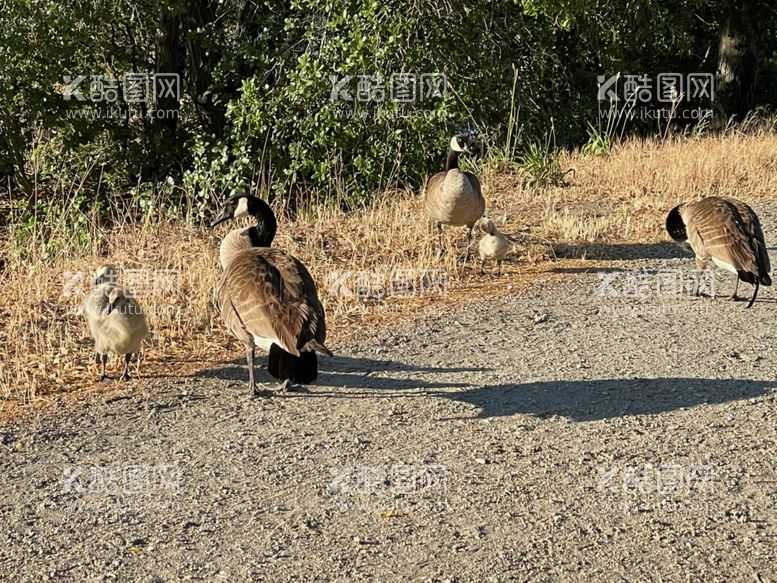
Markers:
point(454, 197)
point(267, 298)
point(115, 319)
point(726, 231)
point(493, 245)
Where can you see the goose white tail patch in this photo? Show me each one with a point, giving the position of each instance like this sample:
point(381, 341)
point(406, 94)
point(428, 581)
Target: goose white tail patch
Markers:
point(724, 265)
point(265, 343)
point(242, 208)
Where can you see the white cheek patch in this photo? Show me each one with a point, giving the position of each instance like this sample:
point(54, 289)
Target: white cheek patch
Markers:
point(455, 145)
point(242, 208)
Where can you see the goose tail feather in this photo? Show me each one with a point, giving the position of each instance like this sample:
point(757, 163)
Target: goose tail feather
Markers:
point(302, 369)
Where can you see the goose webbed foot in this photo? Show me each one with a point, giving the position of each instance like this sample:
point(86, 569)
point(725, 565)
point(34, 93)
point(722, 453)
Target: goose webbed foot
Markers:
point(104, 377)
point(289, 387)
point(283, 386)
point(259, 392)
point(125, 377)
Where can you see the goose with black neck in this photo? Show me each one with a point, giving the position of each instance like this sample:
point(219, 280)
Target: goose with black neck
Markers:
point(454, 197)
point(267, 298)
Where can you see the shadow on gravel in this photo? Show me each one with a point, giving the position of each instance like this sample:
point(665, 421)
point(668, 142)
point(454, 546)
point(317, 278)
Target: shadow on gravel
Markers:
point(608, 398)
point(620, 251)
point(348, 372)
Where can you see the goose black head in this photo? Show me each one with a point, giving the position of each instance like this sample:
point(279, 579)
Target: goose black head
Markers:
point(459, 144)
point(244, 205)
point(675, 225)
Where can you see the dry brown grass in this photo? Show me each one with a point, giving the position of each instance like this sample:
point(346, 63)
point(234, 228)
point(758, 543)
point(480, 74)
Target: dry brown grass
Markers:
point(622, 197)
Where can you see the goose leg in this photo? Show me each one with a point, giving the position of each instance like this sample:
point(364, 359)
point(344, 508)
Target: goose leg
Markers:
point(125, 376)
point(482, 262)
point(701, 265)
point(439, 240)
point(498, 267)
point(734, 296)
point(250, 362)
point(103, 362)
point(469, 243)
point(255, 390)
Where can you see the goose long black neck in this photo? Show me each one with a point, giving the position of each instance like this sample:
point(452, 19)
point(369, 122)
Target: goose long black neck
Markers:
point(263, 233)
point(453, 160)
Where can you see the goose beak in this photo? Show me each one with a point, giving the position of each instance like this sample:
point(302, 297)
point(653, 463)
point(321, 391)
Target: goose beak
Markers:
point(224, 215)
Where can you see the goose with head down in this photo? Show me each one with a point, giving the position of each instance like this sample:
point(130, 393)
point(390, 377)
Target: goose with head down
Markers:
point(727, 232)
point(267, 298)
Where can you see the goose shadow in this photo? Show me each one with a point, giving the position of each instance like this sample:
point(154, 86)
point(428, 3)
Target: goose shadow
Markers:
point(350, 372)
point(622, 251)
point(592, 400)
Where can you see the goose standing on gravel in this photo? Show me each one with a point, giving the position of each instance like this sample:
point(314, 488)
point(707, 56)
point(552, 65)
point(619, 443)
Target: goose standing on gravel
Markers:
point(493, 245)
point(267, 298)
point(726, 231)
point(115, 319)
point(454, 197)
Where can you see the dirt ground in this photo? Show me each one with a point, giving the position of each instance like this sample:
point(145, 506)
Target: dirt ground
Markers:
point(607, 426)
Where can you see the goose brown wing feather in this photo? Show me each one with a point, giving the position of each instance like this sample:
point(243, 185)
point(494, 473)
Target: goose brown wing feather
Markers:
point(473, 180)
point(755, 235)
point(432, 194)
point(270, 294)
point(716, 229)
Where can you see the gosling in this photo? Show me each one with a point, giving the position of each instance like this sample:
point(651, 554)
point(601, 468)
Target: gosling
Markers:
point(493, 245)
point(116, 321)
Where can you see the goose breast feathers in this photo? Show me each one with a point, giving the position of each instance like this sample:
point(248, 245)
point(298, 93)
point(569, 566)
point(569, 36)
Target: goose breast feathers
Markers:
point(454, 198)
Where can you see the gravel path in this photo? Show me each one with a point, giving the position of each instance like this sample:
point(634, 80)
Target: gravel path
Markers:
point(605, 426)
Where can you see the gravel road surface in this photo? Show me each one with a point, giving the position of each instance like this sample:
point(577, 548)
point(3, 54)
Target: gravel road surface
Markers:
point(601, 426)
